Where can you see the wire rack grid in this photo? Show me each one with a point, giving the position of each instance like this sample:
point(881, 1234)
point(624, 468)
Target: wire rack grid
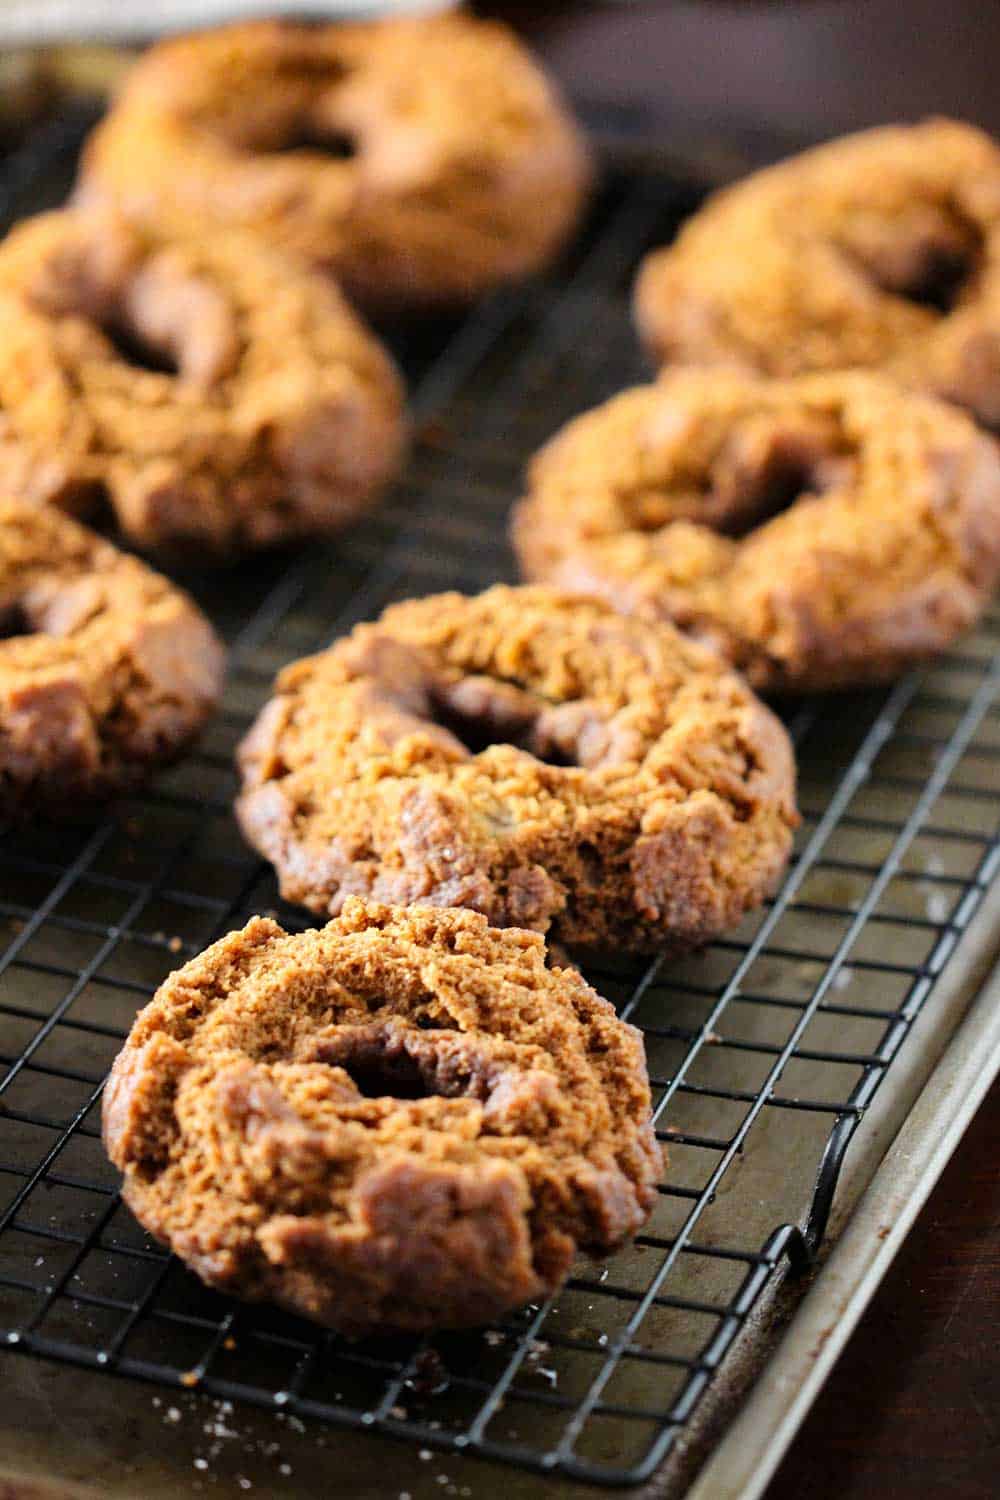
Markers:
point(764, 1051)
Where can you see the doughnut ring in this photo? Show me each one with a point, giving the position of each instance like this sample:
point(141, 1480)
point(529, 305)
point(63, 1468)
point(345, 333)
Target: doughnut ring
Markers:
point(106, 669)
point(538, 758)
point(404, 1120)
point(218, 396)
point(422, 161)
point(818, 531)
point(881, 250)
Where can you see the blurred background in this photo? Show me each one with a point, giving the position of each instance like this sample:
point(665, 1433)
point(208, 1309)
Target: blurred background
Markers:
point(750, 77)
point(772, 69)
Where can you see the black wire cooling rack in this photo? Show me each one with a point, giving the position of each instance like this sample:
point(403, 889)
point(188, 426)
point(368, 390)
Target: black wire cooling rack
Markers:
point(765, 1050)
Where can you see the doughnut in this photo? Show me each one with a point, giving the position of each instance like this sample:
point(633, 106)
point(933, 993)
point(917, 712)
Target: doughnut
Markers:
point(216, 395)
point(879, 251)
point(106, 669)
point(818, 531)
point(401, 1121)
point(538, 758)
point(423, 161)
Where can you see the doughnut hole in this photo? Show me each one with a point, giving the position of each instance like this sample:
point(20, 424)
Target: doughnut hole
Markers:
point(928, 255)
point(761, 467)
point(310, 135)
point(133, 350)
point(300, 107)
point(389, 1061)
point(158, 315)
point(481, 712)
point(475, 711)
point(58, 612)
point(377, 1075)
point(15, 621)
point(772, 463)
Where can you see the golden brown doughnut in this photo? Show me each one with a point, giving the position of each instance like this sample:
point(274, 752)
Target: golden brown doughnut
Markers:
point(819, 531)
point(538, 758)
point(218, 395)
point(880, 250)
point(404, 1120)
point(106, 669)
point(460, 169)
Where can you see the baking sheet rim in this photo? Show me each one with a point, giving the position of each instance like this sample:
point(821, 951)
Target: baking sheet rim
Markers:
point(745, 1459)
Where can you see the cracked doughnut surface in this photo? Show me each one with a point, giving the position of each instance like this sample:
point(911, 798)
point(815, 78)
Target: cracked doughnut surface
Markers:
point(403, 1120)
point(885, 547)
point(218, 395)
point(421, 160)
point(538, 758)
point(878, 250)
point(106, 669)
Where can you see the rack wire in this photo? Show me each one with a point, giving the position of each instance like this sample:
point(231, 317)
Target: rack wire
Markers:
point(765, 1051)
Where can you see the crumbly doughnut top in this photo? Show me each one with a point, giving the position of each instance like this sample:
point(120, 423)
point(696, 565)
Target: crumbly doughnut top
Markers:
point(422, 159)
point(536, 757)
point(886, 544)
point(219, 395)
point(874, 250)
point(403, 1119)
point(106, 669)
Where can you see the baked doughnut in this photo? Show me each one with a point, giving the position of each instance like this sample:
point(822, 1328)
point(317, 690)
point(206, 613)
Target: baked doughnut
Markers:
point(403, 1120)
point(106, 669)
point(879, 250)
point(885, 545)
point(217, 395)
point(421, 160)
point(538, 758)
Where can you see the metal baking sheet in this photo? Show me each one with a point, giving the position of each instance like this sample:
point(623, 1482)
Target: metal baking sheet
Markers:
point(786, 1057)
